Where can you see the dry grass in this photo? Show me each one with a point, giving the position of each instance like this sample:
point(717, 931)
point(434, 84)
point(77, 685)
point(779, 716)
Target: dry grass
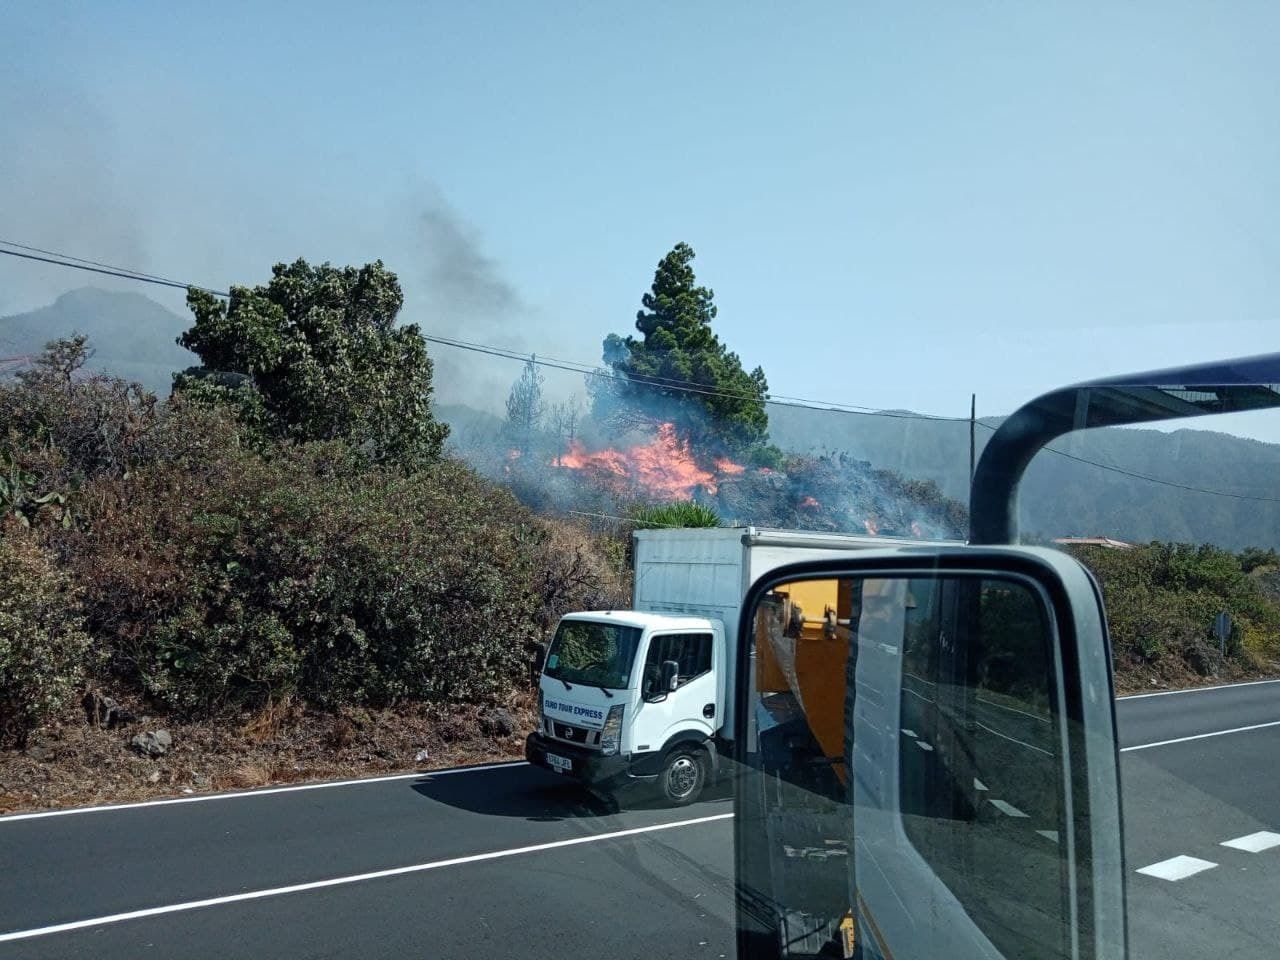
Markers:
point(71, 763)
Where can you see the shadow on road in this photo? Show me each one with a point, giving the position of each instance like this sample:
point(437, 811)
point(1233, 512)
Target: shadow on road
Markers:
point(529, 793)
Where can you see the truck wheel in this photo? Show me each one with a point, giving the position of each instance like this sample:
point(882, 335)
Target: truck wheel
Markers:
point(684, 774)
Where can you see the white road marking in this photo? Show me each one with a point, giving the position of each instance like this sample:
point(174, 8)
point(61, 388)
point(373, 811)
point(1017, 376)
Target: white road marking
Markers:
point(924, 746)
point(1049, 834)
point(1220, 686)
point(1201, 736)
point(1254, 842)
point(345, 881)
point(240, 794)
point(978, 784)
point(1022, 713)
point(1177, 868)
point(909, 733)
point(1008, 809)
point(1023, 743)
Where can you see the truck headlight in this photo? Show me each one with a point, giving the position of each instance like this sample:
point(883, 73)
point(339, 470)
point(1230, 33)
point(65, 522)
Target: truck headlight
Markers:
point(611, 735)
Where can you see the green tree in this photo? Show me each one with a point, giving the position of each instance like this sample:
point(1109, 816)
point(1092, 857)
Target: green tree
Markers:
point(679, 371)
point(316, 355)
point(525, 406)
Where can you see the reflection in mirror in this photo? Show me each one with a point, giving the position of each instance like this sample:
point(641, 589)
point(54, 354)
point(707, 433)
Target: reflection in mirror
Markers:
point(906, 770)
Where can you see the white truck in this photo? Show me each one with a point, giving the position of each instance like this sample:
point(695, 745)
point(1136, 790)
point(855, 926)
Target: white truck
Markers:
point(645, 695)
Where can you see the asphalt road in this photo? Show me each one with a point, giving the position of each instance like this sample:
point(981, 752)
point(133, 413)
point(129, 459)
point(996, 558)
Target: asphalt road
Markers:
point(512, 861)
point(1185, 797)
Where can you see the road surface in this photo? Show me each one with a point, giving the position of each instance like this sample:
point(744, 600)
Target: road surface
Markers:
point(510, 861)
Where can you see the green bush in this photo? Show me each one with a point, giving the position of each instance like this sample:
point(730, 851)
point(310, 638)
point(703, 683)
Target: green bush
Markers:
point(679, 514)
point(1162, 598)
point(42, 645)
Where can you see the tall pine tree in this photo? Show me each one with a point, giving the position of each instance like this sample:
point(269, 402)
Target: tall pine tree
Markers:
point(678, 371)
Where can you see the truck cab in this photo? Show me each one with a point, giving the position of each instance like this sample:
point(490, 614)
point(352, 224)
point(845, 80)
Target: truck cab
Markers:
point(629, 697)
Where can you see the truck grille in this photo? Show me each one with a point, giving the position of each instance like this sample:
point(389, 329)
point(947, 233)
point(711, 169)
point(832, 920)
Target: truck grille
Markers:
point(566, 731)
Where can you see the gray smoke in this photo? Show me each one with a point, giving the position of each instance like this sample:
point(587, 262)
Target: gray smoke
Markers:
point(60, 188)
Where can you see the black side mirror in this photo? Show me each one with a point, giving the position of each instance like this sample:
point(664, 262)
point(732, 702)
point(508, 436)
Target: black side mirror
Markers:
point(539, 655)
point(670, 676)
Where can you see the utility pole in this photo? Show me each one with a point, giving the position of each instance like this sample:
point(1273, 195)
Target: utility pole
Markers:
point(973, 423)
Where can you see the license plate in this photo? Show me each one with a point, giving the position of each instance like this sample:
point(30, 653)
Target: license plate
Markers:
point(563, 764)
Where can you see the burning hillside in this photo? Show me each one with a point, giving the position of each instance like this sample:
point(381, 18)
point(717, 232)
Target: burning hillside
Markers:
point(662, 469)
point(836, 493)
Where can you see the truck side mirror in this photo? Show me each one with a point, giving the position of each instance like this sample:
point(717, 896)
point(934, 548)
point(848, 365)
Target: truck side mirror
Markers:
point(670, 676)
point(539, 655)
point(945, 770)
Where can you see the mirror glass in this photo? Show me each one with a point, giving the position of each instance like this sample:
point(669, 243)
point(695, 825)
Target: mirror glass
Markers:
point(905, 770)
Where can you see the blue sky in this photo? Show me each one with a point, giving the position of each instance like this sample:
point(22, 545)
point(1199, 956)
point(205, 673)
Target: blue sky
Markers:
point(896, 203)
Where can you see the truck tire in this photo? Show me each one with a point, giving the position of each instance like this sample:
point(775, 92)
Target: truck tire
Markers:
point(684, 775)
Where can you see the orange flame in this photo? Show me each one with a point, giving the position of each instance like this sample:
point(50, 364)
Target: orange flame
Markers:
point(728, 467)
point(664, 466)
point(916, 531)
point(810, 502)
point(872, 529)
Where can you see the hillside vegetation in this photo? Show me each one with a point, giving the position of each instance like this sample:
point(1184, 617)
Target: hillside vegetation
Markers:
point(164, 553)
point(1161, 601)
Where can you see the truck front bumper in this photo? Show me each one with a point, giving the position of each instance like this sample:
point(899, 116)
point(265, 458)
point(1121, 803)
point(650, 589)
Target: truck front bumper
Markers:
point(587, 766)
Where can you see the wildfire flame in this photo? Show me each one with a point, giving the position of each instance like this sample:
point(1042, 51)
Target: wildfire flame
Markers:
point(810, 502)
point(663, 467)
point(872, 528)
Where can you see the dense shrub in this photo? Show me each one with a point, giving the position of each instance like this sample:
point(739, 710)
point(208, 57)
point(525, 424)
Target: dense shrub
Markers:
point(1162, 598)
point(308, 572)
point(42, 645)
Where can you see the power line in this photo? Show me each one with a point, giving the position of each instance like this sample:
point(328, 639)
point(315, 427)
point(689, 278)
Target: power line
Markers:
point(79, 263)
point(93, 263)
point(652, 380)
point(1142, 476)
point(58, 260)
point(683, 386)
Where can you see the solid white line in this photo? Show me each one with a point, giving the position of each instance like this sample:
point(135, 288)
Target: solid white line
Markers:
point(240, 794)
point(1201, 736)
point(1220, 686)
point(1029, 746)
point(1254, 842)
point(344, 881)
point(1177, 868)
point(1024, 713)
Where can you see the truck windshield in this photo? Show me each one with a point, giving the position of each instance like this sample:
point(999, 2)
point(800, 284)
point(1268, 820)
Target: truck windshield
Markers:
point(598, 654)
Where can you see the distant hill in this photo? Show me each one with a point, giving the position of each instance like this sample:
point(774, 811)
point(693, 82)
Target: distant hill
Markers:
point(131, 335)
point(1062, 497)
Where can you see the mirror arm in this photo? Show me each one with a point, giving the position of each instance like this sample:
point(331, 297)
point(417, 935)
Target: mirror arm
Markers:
point(1249, 383)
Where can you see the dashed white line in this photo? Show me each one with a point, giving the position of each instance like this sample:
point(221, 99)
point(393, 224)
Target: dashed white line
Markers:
point(924, 746)
point(1201, 736)
point(1008, 809)
point(978, 784)
point(1049, 834)
point(1177, 868)
point(241, 794)
point(1254, 842)
point(909, 733)
point(344, 881)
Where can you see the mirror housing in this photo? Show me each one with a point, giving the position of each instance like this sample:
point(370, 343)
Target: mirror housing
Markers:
point(539, 655)
point(670, 676)
point(1069, 803)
